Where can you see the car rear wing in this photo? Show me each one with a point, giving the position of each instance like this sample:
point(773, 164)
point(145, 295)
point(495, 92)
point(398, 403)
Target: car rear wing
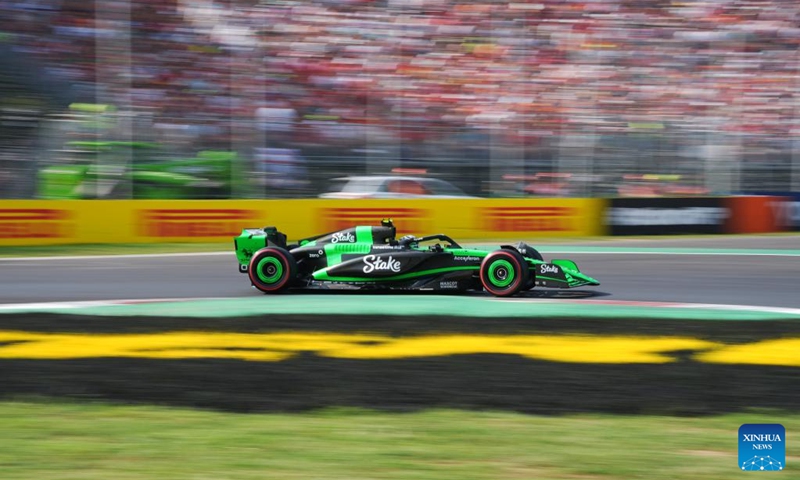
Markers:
point(252, 240)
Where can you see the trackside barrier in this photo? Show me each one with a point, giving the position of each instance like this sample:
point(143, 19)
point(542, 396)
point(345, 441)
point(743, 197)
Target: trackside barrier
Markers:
point(696, 215)
point(786, 208)
point(43, 222)
point(758, 214)
point(52, 222)
point(665, 216)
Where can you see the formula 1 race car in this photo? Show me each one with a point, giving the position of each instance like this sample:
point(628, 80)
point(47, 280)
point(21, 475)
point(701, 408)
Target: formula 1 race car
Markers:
point(370, 257)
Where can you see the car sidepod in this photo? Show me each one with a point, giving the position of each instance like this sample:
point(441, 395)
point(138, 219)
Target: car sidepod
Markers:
point(402, 268)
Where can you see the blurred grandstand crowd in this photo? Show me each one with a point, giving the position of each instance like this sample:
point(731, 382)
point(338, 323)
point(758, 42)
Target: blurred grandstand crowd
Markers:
point(707, 89)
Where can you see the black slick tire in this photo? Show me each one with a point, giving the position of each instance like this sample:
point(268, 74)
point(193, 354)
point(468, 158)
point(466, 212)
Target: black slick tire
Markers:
point(504, 273)
point(272, 269)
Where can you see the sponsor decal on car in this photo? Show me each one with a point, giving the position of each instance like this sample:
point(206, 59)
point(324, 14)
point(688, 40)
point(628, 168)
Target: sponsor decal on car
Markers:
point(466, 259)
point(194, 222)
point(374, 263)
point(35, 223)
point(547, 268)
point(343, 237)
point(448, 284)
point(529, 219)
point(407, 219)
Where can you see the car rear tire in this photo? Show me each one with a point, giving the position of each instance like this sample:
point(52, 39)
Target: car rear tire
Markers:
point(504, 273)
point(272, 269)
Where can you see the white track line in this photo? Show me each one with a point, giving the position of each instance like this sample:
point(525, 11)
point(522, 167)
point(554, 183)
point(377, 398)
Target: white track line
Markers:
point(39, 306)
point(710, 306)
point(50, 306)
point(53, 305)
point(646, 304)
point(790, 311)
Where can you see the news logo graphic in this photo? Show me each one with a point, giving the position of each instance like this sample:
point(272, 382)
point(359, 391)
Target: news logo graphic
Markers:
point(762, 447)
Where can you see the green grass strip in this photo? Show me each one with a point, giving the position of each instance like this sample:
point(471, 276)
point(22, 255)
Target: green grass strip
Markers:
point(43, 441)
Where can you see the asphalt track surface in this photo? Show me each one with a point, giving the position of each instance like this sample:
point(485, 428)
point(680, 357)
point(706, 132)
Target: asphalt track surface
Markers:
point(482, 378)
point(721, 279)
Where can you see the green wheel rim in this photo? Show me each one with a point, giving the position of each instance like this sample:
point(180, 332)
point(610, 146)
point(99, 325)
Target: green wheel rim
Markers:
point(269, 270)
point(501, 273)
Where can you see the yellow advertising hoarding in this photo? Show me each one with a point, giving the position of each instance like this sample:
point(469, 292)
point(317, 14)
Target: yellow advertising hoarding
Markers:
point(41, 222)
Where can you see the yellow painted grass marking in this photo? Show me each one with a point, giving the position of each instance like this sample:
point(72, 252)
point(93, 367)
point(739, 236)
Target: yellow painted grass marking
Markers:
point(563, 348)
point(784, 352)
point(273, 347)
point(243, 346)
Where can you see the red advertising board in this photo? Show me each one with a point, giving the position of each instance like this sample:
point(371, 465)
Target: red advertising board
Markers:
point(187, 222)
point(21, 223)
point(408, 220)
point(756, 214)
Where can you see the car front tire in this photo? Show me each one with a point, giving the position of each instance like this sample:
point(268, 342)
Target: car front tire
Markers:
point(504, 273)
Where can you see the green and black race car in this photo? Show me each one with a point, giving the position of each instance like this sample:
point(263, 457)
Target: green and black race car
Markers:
point(371, 257)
